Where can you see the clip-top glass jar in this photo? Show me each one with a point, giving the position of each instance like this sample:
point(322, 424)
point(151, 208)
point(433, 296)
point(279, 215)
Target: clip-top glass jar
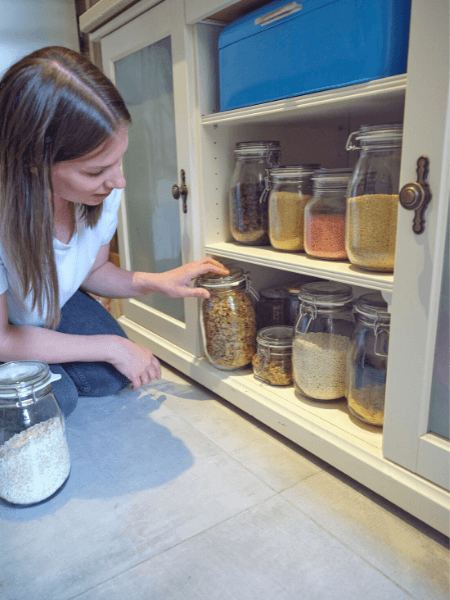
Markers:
point(248, 210)
point(272, 307)
point(367, 359)
point(34, 455)
point(322, 335)
point(273, 361)
point(372, 196)
point(289, 190)
point(228, 319)
point(325, 214)
point(293, 289)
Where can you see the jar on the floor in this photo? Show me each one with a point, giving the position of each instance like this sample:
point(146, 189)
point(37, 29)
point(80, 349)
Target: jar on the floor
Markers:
point(290, 189)
point(248, 207)
point(272, 307)
point(228, 319)
point(272, 363)
point(293, 289)
point(372, 197)
point(325, 215)
point(367, 359)
point(34, 455)
point(321, 340)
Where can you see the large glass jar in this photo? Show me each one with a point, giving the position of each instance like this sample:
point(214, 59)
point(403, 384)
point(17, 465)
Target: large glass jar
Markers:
point(272, 307)
point(273, 361)
point(34, 455)
point(325, 215)
point(372, 197)
point(367, 359)
point(228, 319)
point(289, 190)
point(322, 335)
point(248, 209)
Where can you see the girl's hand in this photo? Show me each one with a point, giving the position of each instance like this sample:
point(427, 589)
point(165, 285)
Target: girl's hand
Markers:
point(134, 361)
point(176, 283)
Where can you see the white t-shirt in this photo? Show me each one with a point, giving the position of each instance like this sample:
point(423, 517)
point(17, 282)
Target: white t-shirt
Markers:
point(73, 262)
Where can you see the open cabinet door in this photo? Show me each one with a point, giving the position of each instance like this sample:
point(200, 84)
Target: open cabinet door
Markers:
point(146, 59)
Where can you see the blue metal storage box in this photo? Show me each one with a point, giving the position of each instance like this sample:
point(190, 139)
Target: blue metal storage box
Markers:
point(287, 49)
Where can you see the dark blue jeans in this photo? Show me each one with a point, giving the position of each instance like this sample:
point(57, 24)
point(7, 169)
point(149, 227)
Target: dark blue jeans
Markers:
point(83, 315)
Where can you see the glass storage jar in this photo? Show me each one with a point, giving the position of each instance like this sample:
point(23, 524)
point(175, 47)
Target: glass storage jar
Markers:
point(322, 335)
point(272, 307)
point(289, 189)
point(293, 289)
point(34, 455)
point(367, 359)
point(273, 361)
point(372, 197)
point(325, 214)
point(248, 209)
point(228, 319)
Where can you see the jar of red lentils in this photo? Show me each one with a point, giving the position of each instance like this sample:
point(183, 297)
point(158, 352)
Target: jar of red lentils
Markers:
point(325, 214)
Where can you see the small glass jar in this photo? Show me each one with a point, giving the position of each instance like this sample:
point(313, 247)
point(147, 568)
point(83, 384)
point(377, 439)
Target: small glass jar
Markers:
point(293, 289)
point(228, 319)
point(367, 359)
point(248, 209)
point(322, 335)
point(289, 189)
point(272, 307)
point(273, 361)
point(325, 215)
point(34, 455)
point(372, 197)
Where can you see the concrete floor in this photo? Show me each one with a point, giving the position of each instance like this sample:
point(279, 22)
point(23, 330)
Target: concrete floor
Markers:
point(175, 494)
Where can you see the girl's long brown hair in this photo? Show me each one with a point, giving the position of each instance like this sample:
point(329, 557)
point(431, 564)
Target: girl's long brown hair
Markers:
point(55, 106)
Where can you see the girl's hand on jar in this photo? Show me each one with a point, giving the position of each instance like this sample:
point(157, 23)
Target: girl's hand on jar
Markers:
point(134, 361)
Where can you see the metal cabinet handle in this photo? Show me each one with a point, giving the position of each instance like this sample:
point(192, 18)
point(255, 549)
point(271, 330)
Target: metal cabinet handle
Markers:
point(417, 196)
point(182, 191)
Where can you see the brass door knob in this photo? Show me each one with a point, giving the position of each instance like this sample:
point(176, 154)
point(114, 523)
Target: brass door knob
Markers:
point(182, 191)
point(416, 196)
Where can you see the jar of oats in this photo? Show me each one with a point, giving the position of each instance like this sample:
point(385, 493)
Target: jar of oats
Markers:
point(367, 359)
point(290, 189)
point(247, 199)
point(272, 363)
point(372, 197)
point(323, 330)
point(228, 319)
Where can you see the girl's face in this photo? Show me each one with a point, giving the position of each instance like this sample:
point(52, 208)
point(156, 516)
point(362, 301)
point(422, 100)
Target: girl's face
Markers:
point(91, 178)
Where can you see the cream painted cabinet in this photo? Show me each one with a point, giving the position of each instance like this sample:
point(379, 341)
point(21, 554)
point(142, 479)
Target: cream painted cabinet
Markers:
point(408, 461)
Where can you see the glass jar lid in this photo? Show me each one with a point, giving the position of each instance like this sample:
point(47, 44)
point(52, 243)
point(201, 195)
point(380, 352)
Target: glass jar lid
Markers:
point(273, 293)
point(326, 293)
point(389, 135)
point(331, 178)
point(279, 336)
point(373, 306)
point(293, 287)
point(24, 378)
point(257, 148)
point(213, 281)
point(293, 173)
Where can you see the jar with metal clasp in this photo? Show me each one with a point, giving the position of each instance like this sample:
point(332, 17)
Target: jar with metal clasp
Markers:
point(272, 363)
point(367, 359)
point(324, 327)
point(292, 288)
point(228, 319)
point(34, 455)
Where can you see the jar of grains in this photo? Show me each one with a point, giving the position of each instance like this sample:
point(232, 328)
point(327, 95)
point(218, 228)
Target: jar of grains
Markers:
point(293, 289)
point(273, 361)
point(367, 359)
point(289, 190)
point(372, 197)
point(248, 209)
point(325, 214)
point(34, 456)
point(272, 307)
point(228, 319)
point(322, 335)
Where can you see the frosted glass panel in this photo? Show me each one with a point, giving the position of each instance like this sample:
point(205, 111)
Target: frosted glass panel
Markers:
point(144, 79)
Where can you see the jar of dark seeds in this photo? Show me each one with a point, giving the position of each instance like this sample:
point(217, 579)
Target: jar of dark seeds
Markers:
point(34, 456)
point(247, 206)
point(273, 361)
point(372, 197)
point(272, 307)
point(293, 289)
point(228, 319)
point(367, 359)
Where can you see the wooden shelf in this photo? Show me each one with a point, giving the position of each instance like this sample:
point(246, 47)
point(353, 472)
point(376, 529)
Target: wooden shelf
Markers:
point(266, 256)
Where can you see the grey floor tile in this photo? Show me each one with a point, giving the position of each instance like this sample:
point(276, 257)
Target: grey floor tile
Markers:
point(270, 552)
point(402, 547)
point(142, 481)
